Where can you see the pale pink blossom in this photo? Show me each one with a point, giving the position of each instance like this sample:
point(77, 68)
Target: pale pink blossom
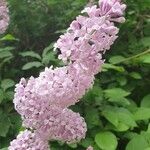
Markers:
point(61, 86)
point(43, 101)
point(95, 30)
point(27, 140)
point(113, 9)
point(60, 124)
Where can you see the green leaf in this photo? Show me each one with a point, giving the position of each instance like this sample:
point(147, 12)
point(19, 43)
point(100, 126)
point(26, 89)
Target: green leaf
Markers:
point(106, 140)
point(142, 113)
point(4, 125)
point(6, 49)
point(130, 135)
point(121, 127)
point(146, 101)
point(15, 121)
point(92, 117)
point(116, 92)
point(47, 49)
point(32, 65)
point(7, 83)
point(31, 54)
point(116, 59)
point(122, 80)
point(7, 59)
point(9, 95)
point(8, 37)
point(145, 59)
point(95, 147)
point(147, 27)
point(146, 41)
point(111, 116)
point(117, 95)
point(4, 148)
point(107, 66)
point(73, 146)
point(137, 143)
point(4, 54)
point(146, 135)
point(135, 75)
point(148, 129)
point(121, 118)
point(1, 95)
point(86, 142)
point(49, 57)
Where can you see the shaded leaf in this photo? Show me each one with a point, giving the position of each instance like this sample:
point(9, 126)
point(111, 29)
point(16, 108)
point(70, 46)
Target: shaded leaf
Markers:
point(135, 75)
point(32, 65)
point(1, 95)
point(4, 54)
point(6, 49)
point(86, 142)
point(47, 58)
point(146, 41)
point(92, 117)
point(142, 113)
point(47, 49)
point(4, 125)
point(7, 83)
point(116, 59)
point(146, 101)
point(31, 54)
point(107, 66)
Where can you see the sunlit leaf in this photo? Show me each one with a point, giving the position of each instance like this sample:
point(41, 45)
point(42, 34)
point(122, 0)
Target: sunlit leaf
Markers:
point(106, 140)
point(137, 143)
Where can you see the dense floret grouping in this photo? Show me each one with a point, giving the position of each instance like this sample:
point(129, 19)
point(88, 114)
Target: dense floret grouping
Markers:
point(43, 101)
point(28, 141)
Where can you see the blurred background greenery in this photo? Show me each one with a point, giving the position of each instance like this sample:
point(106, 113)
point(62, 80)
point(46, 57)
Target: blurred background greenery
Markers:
point(117, 109)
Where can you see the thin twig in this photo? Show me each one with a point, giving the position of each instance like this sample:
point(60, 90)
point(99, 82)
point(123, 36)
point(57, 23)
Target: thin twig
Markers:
point(135, 56)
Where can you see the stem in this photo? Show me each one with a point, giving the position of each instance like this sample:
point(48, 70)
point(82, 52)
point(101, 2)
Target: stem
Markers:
point(135, 56)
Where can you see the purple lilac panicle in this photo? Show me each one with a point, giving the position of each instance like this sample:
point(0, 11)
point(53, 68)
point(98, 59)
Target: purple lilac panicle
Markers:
point(27, 140)
point(43, 101)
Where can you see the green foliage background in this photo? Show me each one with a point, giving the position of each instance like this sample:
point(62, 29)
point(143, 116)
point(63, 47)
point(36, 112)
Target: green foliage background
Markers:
point(117, 109)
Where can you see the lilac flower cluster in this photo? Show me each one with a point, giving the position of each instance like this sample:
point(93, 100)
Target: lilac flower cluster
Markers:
point(43, 101)
point(28, 141)
point(89, 35)
point(4, 17)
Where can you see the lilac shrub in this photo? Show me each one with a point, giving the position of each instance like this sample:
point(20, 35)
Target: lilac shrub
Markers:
point(43, 102)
